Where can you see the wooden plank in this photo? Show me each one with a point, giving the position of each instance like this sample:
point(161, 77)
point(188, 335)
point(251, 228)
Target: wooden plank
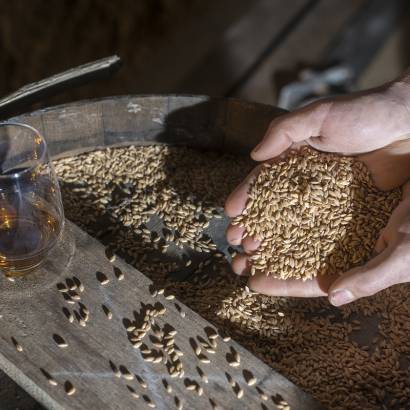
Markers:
point(241, 46)
point(305, 45)
point(32, 313)
point(13, 397)
point(197, 121)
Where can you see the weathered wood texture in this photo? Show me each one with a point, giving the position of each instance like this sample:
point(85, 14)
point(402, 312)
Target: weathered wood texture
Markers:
point(13, 397)
point(207, 123)
point(32, 308)
point(32, 314)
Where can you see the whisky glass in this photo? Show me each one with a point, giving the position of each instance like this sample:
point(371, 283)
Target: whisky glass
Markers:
point(31, 210)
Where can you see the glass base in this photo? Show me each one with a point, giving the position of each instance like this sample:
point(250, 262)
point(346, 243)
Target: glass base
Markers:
point(11, 274)
point(28, 282)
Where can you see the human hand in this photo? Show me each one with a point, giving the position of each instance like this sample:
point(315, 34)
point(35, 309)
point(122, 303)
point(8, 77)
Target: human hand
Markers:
point(389, 267)
point(351, 125)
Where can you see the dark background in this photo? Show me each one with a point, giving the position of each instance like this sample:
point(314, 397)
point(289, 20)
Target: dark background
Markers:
point(228, 47)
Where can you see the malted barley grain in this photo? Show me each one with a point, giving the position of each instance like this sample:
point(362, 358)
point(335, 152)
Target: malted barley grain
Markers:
point(283, 342)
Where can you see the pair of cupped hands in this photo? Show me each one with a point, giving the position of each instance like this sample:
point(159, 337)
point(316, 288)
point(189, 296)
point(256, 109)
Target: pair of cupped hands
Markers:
point(372, 125)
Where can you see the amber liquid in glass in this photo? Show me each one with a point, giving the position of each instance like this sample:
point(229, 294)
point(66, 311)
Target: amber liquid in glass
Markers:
point(27, 233)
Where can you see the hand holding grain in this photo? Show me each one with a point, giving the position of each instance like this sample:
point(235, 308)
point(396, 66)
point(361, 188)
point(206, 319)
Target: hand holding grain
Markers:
point(375, 125)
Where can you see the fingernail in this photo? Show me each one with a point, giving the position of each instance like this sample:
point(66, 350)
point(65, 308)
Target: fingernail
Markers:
point(256, 148)
point(249, 290)
point(341, 297)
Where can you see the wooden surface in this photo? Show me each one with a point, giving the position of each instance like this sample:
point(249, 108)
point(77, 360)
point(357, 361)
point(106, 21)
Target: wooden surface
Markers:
point(198, 121)
point(13, 397)
point(32, 314)
point(32, 309)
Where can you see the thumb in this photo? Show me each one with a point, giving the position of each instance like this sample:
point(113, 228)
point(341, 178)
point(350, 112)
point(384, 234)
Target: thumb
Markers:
point(287, 129)
point(386, 269)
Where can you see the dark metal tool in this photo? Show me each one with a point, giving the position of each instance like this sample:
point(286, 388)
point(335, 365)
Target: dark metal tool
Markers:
point(23, 98)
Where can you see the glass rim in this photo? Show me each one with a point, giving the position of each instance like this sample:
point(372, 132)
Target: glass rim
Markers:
point(43, 153)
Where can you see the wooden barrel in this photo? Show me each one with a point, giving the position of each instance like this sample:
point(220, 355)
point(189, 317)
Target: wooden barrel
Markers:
point(201, 122)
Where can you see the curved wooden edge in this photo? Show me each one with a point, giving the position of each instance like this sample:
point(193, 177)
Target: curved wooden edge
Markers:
point(203, 122)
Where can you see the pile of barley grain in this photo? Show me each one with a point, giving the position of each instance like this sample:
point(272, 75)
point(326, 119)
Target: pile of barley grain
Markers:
point(314, 214)
point(348, 358)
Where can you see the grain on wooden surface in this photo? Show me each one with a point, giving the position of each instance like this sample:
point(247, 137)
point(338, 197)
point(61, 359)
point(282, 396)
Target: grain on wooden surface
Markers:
point(69, 388)
point(310, 337)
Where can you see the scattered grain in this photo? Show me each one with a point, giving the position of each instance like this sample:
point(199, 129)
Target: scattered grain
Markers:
point(48, 376)
point(167, 386)
point(125, 373)
point(148, 400)
point(107, 312)
point(133, 392)
point(251, 319)
point(17, 345)
point(118, 273)
point(102, 278)
point(69, 388)
point(178, 403)
point(262, 394)
point(249, 377)
point(60, 341)
point(109, 253)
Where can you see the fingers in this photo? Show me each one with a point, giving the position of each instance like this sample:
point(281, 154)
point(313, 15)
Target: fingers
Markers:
point(385, 270)
point(240, 265)
point(291, 128)
point(381, 244)
point(292, 287)
point(236, 201)
point(234, 234)
point(389, 166)
point(277, 139)
point(406, 191)
point(250, 245)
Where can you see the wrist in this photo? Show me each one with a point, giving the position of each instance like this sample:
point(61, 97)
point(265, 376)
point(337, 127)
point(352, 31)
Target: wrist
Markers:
point(398, 91)
point(396, 95)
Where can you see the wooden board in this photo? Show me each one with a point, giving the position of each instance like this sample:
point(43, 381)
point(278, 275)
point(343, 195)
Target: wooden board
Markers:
point(202, 122)
point(305, 45)
point(13, 397)
point(33, 311)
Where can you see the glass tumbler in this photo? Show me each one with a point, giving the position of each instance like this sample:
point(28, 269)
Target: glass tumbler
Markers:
point(31, 210)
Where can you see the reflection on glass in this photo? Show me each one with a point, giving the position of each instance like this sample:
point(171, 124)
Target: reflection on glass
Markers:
point(31, 212)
